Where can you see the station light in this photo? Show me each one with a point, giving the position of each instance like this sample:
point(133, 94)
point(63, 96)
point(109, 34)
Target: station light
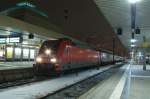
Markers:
point(132, 45)
point(39, 59)
point(134, 1)
point(28, 4)
point(132, 55)
point(25, 42)
point(53, 60)
point(140, 54)
point(133, 40)
point(48, 51)
point(1, 53)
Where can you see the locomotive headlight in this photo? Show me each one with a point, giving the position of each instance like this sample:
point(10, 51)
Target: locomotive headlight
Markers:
point(53, 60)
point(39, 59)
point(48, 51)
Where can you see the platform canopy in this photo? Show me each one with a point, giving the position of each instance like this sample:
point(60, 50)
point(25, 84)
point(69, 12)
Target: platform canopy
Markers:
point(118, 13)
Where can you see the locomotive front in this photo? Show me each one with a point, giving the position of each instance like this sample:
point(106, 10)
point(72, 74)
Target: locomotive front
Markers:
point(47, 61)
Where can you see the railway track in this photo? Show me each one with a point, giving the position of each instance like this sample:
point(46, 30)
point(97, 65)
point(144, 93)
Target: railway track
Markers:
point(54, 88)
point(15, 74)
point(77, 89)
point(17, 77)
point(20, 82)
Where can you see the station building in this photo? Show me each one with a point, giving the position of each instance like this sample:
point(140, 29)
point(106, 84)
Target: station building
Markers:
point(25, 28)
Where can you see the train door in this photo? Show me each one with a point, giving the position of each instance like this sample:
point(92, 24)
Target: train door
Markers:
point(66, 58)
point(69, 55)
point(99, 58)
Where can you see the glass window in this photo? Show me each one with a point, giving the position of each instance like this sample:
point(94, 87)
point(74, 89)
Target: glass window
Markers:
point(32, 53)
point(50, 44)
point(9, 52)
point(25, 53)
point(17, 53)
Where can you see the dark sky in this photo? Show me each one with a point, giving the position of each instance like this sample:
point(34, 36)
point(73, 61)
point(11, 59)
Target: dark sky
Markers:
point(4, 4)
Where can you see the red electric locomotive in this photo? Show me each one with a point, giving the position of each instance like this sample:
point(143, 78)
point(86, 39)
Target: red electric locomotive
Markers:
point(56, 56)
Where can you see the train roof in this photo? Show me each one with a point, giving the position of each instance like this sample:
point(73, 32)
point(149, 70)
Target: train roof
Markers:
point(78, 43)
point(85, 45)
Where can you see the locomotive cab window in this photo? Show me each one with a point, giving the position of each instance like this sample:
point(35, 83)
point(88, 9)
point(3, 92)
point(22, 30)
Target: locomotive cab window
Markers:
point(50, 46)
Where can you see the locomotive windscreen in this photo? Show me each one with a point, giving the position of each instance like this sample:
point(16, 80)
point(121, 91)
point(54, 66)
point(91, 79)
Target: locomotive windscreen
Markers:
point(50, 44)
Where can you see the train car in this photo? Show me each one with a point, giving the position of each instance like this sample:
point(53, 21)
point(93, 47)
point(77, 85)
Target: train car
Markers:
point(118, 58)
point(60, 55)
point(56, 56)
point(106, 58)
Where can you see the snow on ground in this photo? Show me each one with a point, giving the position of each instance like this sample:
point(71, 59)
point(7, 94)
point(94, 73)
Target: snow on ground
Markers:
point(40, 89)
point(16, 65)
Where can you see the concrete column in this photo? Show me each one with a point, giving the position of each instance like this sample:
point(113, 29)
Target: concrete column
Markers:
point(21, 53)
point(13, 57)
point(29, 55)
point(5, 52)
point(144, 60)
point(144, 63)
point(113, 50)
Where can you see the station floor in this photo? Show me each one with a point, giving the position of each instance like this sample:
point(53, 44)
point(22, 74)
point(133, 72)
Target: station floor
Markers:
point(131, 82)
point(15, 65)
point(138, 86)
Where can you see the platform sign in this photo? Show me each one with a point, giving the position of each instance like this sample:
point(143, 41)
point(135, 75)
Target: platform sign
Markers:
point(2, 40)
point(14, 39)
point(10, 40)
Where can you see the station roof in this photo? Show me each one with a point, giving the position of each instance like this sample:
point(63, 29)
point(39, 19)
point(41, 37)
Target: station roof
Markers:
point(118, 13)
point(92, 28)
point(9, 24)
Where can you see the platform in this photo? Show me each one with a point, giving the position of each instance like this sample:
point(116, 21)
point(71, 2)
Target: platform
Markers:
point(15, 65)
point(108, 88)
point(131, 82)
point(138, 86)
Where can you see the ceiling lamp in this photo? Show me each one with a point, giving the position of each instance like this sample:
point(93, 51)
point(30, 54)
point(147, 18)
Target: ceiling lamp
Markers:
point(133, 40)
point(132, 45)
point(28, 4)
point(134, 1)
